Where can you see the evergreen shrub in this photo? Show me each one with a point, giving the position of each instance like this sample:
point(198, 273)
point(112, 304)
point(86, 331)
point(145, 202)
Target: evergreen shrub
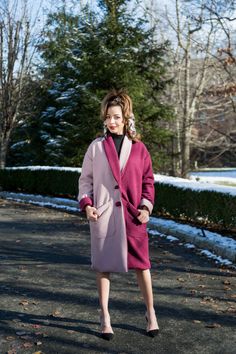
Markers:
point(46, 182)
point(206, 207)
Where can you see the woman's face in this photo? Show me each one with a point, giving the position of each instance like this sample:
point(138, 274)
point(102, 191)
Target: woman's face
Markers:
point(114, 120)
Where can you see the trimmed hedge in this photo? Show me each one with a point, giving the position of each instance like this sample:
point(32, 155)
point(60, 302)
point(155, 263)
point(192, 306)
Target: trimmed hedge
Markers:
point(200, 206)
point(206, 207)
point(49, 182)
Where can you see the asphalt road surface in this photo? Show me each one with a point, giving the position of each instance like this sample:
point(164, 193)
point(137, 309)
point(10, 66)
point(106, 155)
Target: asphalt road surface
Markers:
point(49, 304)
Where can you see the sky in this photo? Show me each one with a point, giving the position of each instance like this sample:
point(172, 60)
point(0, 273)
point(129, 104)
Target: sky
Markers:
point(46, 5)
point(40, 8)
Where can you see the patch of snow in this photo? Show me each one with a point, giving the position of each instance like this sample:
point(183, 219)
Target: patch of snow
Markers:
point(63, 201)
point(195, 186)
point(46, 125)
point(45, 136)
point(53, 142)
point(66, 95)
point(206, 253)
point(46, 204)
point(223, 172)
point(19, 145)
point(195, 231)
point(172, 238)
point(153, 232)
point(62, 112)
point(53, 92)
point(58, 168)
point(216, 258)
point(189, 245)
point(49, 110)
point(211, 179)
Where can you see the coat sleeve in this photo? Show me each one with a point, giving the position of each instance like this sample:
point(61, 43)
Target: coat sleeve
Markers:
point(148, 191)
point(85, 196)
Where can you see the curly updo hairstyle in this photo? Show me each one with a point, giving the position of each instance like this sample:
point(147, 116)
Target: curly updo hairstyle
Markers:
point(120, 98)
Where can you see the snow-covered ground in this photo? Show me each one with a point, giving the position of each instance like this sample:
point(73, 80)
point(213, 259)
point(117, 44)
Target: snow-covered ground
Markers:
point(216, 180)
point(194, 185)
point(156, 226)
point(223, 172)
point(223, 176)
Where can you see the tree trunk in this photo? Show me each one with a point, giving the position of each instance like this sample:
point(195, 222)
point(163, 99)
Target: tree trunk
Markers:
point(186, 126)
point(14, 67)
point(176, 150)
point(3, 153)
point(185, 153)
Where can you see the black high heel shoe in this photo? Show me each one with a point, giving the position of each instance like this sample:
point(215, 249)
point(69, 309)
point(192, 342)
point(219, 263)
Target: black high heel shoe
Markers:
point(106, 335)
point(152, 332)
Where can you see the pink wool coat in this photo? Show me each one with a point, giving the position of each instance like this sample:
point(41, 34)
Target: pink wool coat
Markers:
point(117, 187)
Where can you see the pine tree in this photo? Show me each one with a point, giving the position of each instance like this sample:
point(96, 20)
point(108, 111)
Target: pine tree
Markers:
point(26, 144)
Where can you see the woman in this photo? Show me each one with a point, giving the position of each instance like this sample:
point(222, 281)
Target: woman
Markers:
point(116, 190)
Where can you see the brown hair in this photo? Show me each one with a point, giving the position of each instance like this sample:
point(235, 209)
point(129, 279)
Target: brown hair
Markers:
point(120, 98)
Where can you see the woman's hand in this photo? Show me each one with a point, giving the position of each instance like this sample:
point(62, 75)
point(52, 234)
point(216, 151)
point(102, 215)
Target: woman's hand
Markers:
point(143, 216)
point(91, 212)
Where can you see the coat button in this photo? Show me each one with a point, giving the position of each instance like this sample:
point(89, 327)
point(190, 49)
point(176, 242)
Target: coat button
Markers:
point(118, 204)
point(117, 187)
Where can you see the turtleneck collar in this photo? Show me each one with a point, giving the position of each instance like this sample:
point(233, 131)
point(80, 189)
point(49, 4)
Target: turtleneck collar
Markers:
point(118, 140)
point(116, 136)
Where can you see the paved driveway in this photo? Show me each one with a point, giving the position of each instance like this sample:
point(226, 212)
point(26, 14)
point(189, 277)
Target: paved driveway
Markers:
point(49, 301)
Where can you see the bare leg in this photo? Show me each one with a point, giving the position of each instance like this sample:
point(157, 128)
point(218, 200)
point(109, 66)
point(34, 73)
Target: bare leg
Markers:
point(103, 284)
point(145, 284)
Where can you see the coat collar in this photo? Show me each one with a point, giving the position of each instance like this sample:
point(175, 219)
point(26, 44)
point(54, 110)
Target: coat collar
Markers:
point(125, 152)
point(117, 165)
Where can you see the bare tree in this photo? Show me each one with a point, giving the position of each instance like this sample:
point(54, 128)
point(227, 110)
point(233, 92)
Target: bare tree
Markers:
point(191, 61)
point(197, 31)
point(15, 63)
point(216, 137)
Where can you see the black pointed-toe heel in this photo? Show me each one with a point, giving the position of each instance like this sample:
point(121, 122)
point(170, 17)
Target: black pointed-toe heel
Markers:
point(153, 332)
point(108, 335)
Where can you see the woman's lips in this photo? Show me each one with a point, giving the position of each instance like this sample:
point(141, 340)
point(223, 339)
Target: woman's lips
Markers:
point(112, 128)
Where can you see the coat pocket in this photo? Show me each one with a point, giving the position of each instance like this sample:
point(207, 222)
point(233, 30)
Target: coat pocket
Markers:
point(134, 227)
point(103, 208)
point(104, 226)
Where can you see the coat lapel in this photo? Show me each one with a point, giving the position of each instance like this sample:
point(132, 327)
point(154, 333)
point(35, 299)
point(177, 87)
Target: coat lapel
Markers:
point(125, 152)
point(117, 165)
point(112, 157)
